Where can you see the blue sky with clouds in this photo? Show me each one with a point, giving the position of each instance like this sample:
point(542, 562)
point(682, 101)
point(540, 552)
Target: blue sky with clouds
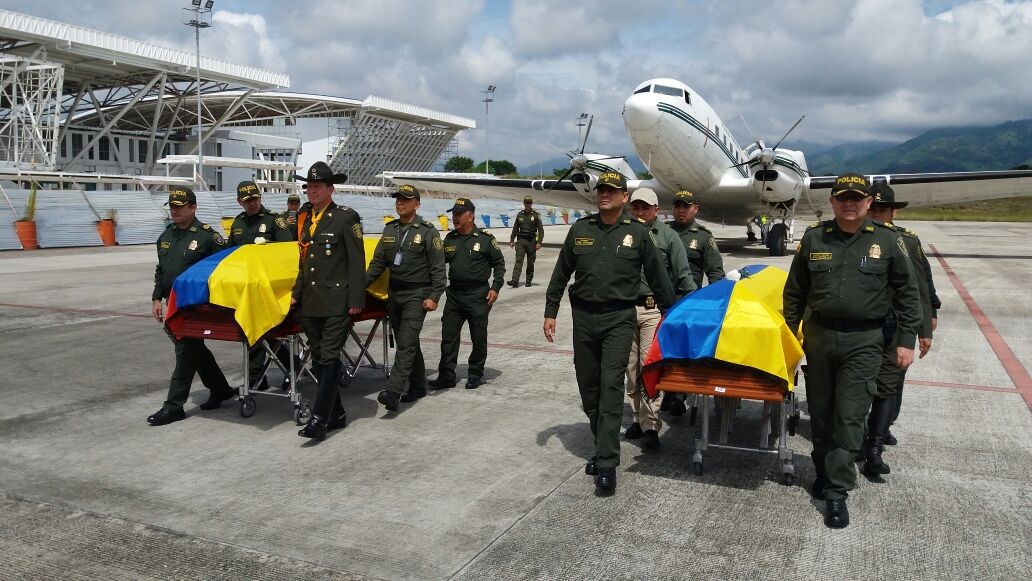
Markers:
point(859, 69)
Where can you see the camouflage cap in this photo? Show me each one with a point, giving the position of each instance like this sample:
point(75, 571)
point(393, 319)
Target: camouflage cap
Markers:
point(851, 182)
point(612, 179)
point(406, 191)
point(247, 190)
point(528, 200)
point(885, 197)
point(181, 196)
point(294, 198)
point(462, 205)
point(684, 197)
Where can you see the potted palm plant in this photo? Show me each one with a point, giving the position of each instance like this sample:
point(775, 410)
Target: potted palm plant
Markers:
point(25, 226)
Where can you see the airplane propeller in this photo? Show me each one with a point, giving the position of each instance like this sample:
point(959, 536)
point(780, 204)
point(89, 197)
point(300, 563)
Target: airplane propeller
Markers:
point(579, 161)
point(766, 156)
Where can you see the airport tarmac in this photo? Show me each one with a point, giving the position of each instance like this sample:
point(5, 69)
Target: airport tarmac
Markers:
point(488, 484)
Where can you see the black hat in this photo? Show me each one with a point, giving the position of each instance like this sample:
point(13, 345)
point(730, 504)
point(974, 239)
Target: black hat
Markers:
point(463, 205)
point(406, 191)
point(528, 200)
point(685, 197)
point(181, 196)
point(293, 198)
point(320, 172)
point(885, 197)
point(612, 179)
point(247, 190)
point(851, 182)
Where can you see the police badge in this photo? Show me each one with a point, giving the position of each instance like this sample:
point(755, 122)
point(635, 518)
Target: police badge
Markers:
point(192, 245)
point(417, 239)
point(694, 245)
point(628, 240)
point(261, 229)
point(875, 251)
point(476, 247)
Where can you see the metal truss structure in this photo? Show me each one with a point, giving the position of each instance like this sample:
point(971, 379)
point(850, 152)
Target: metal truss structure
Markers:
point(30, 92)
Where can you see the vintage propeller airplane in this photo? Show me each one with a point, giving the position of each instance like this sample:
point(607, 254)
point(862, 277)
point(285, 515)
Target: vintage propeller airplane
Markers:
point(685, 145)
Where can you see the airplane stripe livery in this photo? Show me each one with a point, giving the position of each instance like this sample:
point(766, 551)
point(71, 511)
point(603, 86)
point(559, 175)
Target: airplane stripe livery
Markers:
point(664, 121)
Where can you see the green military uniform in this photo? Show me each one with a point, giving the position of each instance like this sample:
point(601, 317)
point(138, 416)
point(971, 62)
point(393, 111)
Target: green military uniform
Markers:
point(527, 232)
point(178, 249)
point(606, 262)
point(414, 254)
point(848, 282)
point(703, 254)
point(675, 261)
point(291, 230)
point(471, 258)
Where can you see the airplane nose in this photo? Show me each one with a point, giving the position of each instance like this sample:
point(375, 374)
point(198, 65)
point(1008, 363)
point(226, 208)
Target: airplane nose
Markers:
point(640, 112)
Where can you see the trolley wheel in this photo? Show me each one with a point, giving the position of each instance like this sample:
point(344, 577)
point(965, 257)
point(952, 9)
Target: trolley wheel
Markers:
point(302, 412)
point(247, 406)
point(691, 416)
point(697, 468)
point(788, 479)
point(793, 423)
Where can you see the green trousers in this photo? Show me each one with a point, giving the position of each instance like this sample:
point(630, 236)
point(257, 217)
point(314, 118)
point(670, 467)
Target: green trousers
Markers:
point(890, 377)
point(406, 314)
point(841, 367)
point(524, 249)
point(601, 348)
point(460, 307)
point(193, 357)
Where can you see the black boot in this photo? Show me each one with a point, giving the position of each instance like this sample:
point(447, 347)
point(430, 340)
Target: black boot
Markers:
point(326, 400)
point(339, 415)
point(877, 427)
point(315, 429)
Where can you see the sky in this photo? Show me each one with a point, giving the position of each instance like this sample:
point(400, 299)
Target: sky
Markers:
point(884, 70)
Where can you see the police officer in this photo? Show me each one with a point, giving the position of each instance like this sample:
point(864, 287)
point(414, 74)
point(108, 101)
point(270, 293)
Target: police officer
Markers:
point(330, 289)
point(890, 377)
point(471, 254)
point(527, 234)
point(256, 222)
point(703, 257)
point(646, 423)
point(290, 215)
point(412, 249)
point(606, 252)
point(183, 243)
point(848, 272)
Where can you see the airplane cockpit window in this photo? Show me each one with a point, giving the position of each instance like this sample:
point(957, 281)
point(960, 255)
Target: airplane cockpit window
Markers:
point(644, 89)
point(664, 90)
point(687, 98)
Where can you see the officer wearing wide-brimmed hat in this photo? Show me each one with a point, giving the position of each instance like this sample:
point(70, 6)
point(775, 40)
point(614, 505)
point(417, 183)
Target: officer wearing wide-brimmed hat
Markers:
point(605, 253)
point(471, 254)
point(184, 242)
point(330, 289)
point(257, 224)
point(412, 249)
point(527, 234)
point(885, 406)
point(848, 273)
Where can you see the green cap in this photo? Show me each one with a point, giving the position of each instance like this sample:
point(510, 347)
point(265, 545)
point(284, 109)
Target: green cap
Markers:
point(293, 198)
point(247, 190)
point(406, 191)
point(851, 182)
point(685, 197)
point(462, 205)
point(884, 196)
point(612, 179)
point(528, 200)
point(181, 196)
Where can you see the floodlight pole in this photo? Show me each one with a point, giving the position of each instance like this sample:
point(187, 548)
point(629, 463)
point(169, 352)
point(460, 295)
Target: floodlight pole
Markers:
point(198, 22)
point(488, 98)
point(580, 123)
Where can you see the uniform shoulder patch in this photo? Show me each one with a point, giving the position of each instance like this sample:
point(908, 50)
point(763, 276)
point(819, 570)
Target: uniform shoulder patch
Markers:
point(356, 229)
point(438, 244)
point(217, 238)
point(494, 243)
point(281, 222)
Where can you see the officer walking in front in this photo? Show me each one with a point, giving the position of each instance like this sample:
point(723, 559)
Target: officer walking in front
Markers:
point(256, 222)
point(646, 423)
point(527, 234)
point(330, 289)
point(890, 377)
point(703, 258)
point(412, 249)
point(471, 254)
point(605, 253)
point(183, 243)
point(848, 272)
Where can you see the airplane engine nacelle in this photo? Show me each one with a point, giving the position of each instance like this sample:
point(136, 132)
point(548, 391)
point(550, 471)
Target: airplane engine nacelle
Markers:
point(775, 186)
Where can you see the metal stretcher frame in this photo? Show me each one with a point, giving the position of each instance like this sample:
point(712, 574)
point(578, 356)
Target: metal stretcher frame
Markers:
point(727, 385)
point(377, 313)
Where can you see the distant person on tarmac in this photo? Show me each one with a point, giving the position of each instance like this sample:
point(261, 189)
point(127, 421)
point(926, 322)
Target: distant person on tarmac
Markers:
point(526, 237)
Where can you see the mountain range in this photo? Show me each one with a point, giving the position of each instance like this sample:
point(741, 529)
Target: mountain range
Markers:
point(948, 149)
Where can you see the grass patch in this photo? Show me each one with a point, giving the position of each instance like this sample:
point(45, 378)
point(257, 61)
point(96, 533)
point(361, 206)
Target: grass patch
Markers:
point(1004, 210)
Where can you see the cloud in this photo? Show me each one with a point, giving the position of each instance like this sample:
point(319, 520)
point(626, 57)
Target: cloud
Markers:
point(245, 39)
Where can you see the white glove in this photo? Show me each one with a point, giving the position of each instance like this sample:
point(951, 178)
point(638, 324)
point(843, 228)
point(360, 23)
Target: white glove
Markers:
point(260, 240)
point(734, 275)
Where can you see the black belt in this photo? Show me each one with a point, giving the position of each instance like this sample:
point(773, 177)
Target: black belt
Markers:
point(467, 284)
point(525, 236)
point(846, 325)
point(647, 301)
point(402, 285)
point(601, 306)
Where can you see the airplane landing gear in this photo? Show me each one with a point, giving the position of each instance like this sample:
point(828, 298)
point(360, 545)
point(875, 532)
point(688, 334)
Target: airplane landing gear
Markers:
point(777, 239)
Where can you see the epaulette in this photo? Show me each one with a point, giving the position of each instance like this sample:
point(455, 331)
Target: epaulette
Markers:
point(588, 217)
point(206, 227)
point(241, 215)
point(814, 225)
point(701, 227)
point(911, 232)
point(306, 207)
point(428, 224)
point(391, 222)
point(452, 234)
point(641, 221)
point(882, 224)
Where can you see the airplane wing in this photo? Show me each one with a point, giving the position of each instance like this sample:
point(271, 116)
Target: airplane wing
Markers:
point(927, 189)
point(563, 194)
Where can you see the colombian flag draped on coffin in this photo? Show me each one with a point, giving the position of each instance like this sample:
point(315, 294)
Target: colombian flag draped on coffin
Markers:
point(737, 322)
point(255, 280)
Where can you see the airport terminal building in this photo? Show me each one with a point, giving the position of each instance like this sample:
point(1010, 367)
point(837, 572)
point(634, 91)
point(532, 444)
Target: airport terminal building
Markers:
point(104, 124)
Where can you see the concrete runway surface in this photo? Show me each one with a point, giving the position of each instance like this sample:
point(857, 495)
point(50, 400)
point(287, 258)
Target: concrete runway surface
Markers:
point(488, 484)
